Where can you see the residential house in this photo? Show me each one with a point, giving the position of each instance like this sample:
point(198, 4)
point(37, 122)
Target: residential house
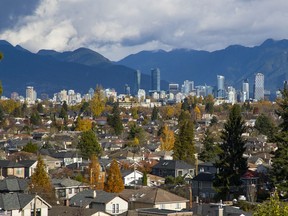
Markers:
point(132, 177)
point(68, 211)
point(100, 200)
point(68, 157)
point(67, 188)
point(153, 198)
point(30, 166)
point(172, 168)
point(162, 212)
point(20, 204)
point(153, 180)
point(202, 186)
point(51, 162)
point(206, 167)
point(10, 168)
point(14, 185)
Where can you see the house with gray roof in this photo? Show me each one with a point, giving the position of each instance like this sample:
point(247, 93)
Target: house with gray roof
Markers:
point(14, 185)
point(67, 188)
point(20, 204)
point(11, 168)
point(100, 200)
point(172, 168)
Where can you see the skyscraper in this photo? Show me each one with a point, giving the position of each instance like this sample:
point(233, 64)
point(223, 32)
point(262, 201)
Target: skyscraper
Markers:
point(31, 94)
point(155, 79)
point(259, 86)
point(137, 81)
point(220, 86)
point(245, 90)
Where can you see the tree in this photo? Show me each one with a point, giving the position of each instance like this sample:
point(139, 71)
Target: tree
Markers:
point(114, 182)
point(209, 104)
point(35, 118)
point(167, 139)
point(115, 120)
point(272, 207)
point(97, 103)
point(230, 163)
point(83, 124)
point(94, 174)
point(265, 126)
point(40, 108)
point(30, 147)
point(88, 144)
point(279, 170)
point(40, 182)
point(210, 148)
point(184, 148)
point(154, 115)
point(136, 132)
point(145, 179)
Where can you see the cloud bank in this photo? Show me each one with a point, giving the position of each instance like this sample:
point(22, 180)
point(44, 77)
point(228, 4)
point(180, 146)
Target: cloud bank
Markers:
point(118, 28)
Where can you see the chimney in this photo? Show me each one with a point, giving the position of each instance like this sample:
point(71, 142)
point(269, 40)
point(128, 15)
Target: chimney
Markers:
point(67, 202)
point(94, 194)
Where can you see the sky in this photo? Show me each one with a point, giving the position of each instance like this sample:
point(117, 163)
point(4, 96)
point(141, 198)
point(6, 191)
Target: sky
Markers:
point(118, 28)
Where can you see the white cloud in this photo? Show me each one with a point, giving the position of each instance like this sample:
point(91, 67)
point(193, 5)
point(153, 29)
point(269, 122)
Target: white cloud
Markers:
point(118, 28)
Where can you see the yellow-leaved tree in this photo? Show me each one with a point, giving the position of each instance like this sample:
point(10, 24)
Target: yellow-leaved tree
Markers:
point(98, 101)
point(83, 124)
point(167, 139)
point(96, 179)
point(114, 182)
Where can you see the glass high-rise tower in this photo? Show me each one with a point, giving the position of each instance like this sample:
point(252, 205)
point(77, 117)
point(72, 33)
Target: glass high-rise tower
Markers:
point(155, 79)
point(259, 86)
point(137, 81)
point(221, 93)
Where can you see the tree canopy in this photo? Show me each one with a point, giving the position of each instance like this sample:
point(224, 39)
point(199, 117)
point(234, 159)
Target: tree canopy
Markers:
point(88, 144)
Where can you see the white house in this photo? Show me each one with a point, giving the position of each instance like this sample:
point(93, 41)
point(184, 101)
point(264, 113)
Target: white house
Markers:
point(20, 204)
point(130, 178)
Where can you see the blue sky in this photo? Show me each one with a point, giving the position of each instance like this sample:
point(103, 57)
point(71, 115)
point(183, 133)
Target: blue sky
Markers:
point(118, 28)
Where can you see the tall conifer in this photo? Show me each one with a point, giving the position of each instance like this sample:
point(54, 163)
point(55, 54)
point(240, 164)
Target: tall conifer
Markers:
point(114, 182)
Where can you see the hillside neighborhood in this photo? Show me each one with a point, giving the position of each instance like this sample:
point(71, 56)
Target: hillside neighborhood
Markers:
point(115, 157)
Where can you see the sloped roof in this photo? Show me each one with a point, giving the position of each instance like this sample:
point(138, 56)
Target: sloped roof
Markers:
point(10, 164)
point(84, 198)
point(173, 164)
point(13, 185)
point(204, 176)
point(151, 195)
point(66, 182)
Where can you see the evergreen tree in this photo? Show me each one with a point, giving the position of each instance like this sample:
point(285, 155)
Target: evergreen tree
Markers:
point(114, 182)
point(210, 148)
point(184, 148)
point(40, 182)
point(88, 144)
point(231, 165)
point(279, 170)
point(145, 179)
point(30, 147)
point(35, 118)
point(40, 108)
point(115, 120)
point(265, 125)
point(209, 104)
point(154, 115)
point(185, 105)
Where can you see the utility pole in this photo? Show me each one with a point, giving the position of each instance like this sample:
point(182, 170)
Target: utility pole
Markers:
point(35, 208)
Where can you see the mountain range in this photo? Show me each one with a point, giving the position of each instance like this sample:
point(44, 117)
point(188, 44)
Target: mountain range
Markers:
point(50, 71)
point(235, 62)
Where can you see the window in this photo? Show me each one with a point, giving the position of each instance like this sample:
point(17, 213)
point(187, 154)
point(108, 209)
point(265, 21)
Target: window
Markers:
point(180, 173)
point(178, 206)
point(115, 208)
point(38, 212)
point(70, 190)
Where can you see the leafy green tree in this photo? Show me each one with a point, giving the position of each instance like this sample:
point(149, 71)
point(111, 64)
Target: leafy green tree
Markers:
point(279, 170)
point(30, 147)
point(88, 144)
point(185, 105)
point(136, 132)
point(40, 108)
point(230, 163)
point(214, 120)
point(184, 147)
point(265, 125)
point(35, 118)
point(210, 148)
point(114, 182)
point(154, 115)
point(115, 120)
point(272, 207)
